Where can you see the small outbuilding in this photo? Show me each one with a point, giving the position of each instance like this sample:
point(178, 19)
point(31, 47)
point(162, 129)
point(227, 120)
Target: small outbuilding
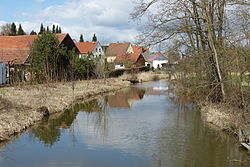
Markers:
point(155, 60)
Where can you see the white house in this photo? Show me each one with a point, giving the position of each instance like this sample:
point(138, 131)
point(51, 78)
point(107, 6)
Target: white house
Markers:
point(87, 48)
point(155, 60)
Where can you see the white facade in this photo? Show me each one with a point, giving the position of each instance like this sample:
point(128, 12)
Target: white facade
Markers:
point(111, 59)
point(97, 51)
point(158, 63)
point(119, 66)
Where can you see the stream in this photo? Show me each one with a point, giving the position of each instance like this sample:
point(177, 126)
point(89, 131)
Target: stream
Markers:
point(145, 125)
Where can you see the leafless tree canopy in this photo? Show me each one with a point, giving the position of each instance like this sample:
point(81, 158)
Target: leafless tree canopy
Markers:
point(210, 32)
point(6, 29)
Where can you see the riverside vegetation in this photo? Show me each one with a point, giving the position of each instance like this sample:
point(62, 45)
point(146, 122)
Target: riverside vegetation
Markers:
point(210, 40)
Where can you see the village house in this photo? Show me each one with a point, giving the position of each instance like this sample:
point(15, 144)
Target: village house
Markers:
point(116, 49)
point(124, 55)
point(135, 59)
point(14, 53)
point(86, 48)
point(155, 60)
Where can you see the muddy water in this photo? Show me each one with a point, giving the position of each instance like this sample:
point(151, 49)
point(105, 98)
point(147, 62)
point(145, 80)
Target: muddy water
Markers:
point(141, 126)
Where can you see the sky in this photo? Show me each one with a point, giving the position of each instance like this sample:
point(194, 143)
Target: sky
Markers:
point(108, 19)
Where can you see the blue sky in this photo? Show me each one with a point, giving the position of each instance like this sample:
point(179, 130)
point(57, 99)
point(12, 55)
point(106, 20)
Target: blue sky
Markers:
point(108, 19)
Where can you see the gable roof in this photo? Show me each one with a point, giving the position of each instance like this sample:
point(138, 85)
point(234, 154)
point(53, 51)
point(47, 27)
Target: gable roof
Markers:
point(15, 49)
point(86, 47)
point(133, 57)
point(157, 57)
point(150, 57)
point(116, 49)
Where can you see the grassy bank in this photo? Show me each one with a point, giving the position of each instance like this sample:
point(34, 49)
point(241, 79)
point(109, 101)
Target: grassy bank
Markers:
point(20, 107)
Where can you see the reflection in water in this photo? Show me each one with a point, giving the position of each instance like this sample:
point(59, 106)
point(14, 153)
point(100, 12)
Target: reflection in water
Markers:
point(158, 132)
point(125, 98)
point(49, 131)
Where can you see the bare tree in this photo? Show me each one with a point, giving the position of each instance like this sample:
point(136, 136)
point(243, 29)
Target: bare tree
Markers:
point(6, 29)
point(199, 26)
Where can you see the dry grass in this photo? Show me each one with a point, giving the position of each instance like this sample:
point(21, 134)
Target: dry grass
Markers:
point(18, 105)
point(225, 117)
point(144, 76)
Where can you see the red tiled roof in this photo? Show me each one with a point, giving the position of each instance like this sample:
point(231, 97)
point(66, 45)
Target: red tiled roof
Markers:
point(24, 41)
point(14, 55)
point(133, 58)
point(86, 47)
point(15, 49)
point(116, 49)
point(61, 37)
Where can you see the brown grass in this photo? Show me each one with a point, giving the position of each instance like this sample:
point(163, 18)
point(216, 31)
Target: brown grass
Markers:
point(225, 117)
point(144, 76)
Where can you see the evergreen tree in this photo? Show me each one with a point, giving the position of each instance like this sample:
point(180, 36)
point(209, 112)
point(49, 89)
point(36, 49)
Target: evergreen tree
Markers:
point(20, 30)
point(49, 60)
point(33, 32)
point(42, 29)
point(13, 29)
point(57, 29)
point(47, 29)
point(94, 39)
point(54, 29)
point(81, 38)
point(60, 30)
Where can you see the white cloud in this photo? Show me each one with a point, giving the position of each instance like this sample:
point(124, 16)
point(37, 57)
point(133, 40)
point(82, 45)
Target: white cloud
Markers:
point(108, 19)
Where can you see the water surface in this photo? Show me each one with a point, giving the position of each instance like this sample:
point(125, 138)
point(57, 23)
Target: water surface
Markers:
point(141, 126)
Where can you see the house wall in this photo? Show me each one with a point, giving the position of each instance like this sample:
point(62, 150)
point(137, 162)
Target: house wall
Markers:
point(140, 61)
point(69, 43)
point(159, 63)
point(130, 50)
point(111, 59)
point(98, 50)
point(119, 66)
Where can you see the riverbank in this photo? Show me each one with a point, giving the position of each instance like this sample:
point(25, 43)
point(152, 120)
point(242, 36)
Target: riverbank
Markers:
point(221, 116)
point(145, 76)
point(226, 118)
point(23, 106)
